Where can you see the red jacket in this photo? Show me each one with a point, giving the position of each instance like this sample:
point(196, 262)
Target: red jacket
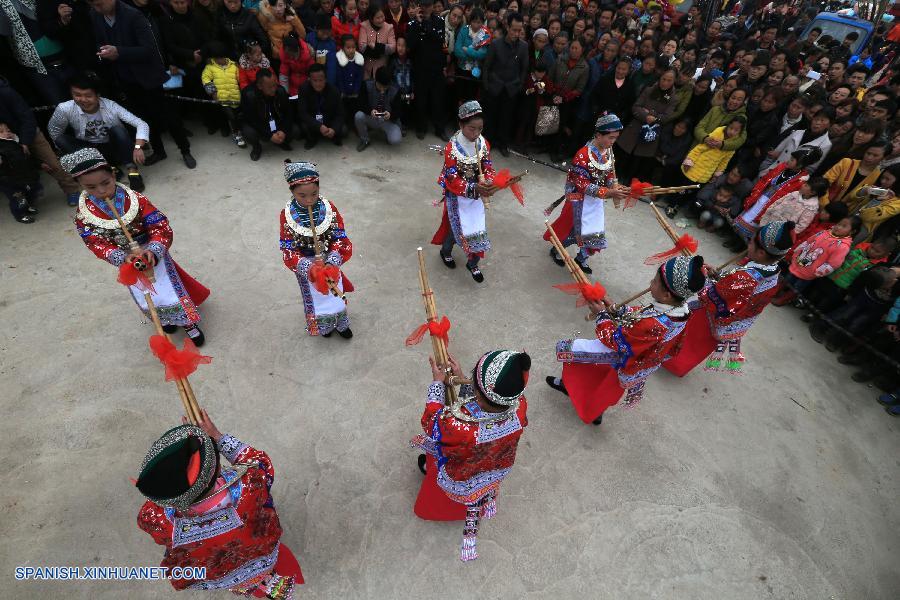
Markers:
point(294, 72)
point(791, 185)
point(339, 29)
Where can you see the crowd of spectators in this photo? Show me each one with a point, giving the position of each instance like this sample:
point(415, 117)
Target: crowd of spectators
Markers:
point(770, 117)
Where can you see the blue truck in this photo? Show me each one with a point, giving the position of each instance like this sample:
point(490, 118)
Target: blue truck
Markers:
point(838, 26)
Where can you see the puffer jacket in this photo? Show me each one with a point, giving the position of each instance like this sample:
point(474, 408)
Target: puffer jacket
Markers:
point(294, 72)
point(278, 29)
point(223, 81)
point(717, 117)
point(707, 161)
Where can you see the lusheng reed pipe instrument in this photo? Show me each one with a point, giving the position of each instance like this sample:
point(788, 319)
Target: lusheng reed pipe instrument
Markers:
point(668, 228)
point(185, 391)
point(317, 248)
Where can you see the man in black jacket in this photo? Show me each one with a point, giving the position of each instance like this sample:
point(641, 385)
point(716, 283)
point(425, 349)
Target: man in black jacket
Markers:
point(505, 69)
point(425, 39)
point(267, 114)
point(321, 111)
point(131, 54)
point(69, 23)
point(237, 25)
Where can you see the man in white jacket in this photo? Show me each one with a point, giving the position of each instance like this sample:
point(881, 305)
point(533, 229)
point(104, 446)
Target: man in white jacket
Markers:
point(816, 135)
point(89, 120)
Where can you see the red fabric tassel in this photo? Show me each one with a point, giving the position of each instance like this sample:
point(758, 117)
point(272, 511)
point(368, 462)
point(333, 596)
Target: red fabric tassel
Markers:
point(502, 180)
point(179, 363)
point(320, 273)
point(129, 275)
point(638, 188)
point(685, 242)
point(435, 328)
point(593, 292)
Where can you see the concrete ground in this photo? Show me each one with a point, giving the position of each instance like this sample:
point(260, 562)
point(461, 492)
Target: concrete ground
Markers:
point(781, 483)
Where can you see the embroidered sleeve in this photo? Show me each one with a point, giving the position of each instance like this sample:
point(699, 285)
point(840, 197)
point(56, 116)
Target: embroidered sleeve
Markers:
point(152, 519)
point(156, 225)
point(640, 346)
point(289, 253)
point(487, 163)
point(237, 451)
point(436, 393)
point(579, 176)
point(340, 245)
point(100, 246)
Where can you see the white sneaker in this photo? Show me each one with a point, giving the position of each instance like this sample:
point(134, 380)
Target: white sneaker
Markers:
point(239, 140)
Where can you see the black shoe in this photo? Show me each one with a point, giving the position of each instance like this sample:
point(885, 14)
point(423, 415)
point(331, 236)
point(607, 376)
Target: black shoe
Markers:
point(31, 210)
point(556, 258)
point(420, 134)
point(27, 219)
point(504, 151)
point(286, 146)
point(170, 328)
point(808, 318)
point(362, 145)
point(255, 153)
point(421, 460)
point(671, 211)
point(598, 420)
point(310, 143)
point(551, 381)
point(442, 135)
point(135, 181)
point(155, 158)
point(346, 334)
point(189, 161)
point(476, 273)
point(448, 260)
point(817, 332)
point(584, 266)
point(196, 335)
point(327, 335)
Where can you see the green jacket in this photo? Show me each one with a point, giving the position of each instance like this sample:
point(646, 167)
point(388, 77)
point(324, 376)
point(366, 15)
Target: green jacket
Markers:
point(856, 262)
point(683, 95)
point(718, 117)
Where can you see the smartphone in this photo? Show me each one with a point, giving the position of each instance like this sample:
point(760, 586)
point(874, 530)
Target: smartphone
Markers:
point(814, 75)
point(716, 73)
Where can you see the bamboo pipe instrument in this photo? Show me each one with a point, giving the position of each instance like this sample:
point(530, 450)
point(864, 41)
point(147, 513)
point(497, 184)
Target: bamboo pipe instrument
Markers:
point(576, 272)
point(438, 348)
point(667, 227)
point(317, 248)
point(191, 408)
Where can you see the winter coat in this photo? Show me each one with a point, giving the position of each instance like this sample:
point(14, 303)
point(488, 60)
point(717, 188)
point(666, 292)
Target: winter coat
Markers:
point(819, 255)
point(789, 144)
point(840, 176)
point(182, 37)
point(223, 80)
point(707, 161)
point(650, 102)
point(278, 29)
point(376, 45)
point(466, 55)
point(617, 100)
point(349, 73)
point(325, 53)
point(682, 99)
point(340, 29)
point(293, 72)
point(873, 216)
point(255, 111)
point(717, 117)
point(672, 150)
point(792, 207)
point(792, 184)
point(247, 70)
point(140, 59)
point(239, 27)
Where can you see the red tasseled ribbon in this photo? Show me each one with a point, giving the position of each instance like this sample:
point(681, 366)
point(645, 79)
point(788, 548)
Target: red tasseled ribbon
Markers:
point(638, 188)
point(435, 328)
point(685, 242)
point(320, 273)
point(593, 292)
point(179, 363)
point(129, 275)
point(502, 181)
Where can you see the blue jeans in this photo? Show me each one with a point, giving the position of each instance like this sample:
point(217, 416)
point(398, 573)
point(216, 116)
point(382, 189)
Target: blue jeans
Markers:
point(117, 150)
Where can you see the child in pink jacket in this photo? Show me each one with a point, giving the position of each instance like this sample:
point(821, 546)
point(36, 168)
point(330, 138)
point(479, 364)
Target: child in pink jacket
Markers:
point(822, 253)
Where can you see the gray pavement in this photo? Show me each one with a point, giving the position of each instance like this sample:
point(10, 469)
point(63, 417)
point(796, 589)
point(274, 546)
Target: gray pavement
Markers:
point(781, 483)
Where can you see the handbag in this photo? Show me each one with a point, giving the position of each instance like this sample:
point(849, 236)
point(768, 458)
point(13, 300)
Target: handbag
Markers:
point(649, 132)
point(547, 120)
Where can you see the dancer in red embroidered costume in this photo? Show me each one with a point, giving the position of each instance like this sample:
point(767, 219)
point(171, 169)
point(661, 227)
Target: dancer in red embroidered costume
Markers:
point(471, 446)
point(731, 303)
point(590, 182)
point(315, 253)
point(218, 518)
point(632, 342)
point(175, 293)
point(467, 179)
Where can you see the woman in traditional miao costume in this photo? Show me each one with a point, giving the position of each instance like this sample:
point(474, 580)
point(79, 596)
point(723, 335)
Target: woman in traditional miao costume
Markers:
point(322, 284)
point(467, 179)
point(175, 294)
